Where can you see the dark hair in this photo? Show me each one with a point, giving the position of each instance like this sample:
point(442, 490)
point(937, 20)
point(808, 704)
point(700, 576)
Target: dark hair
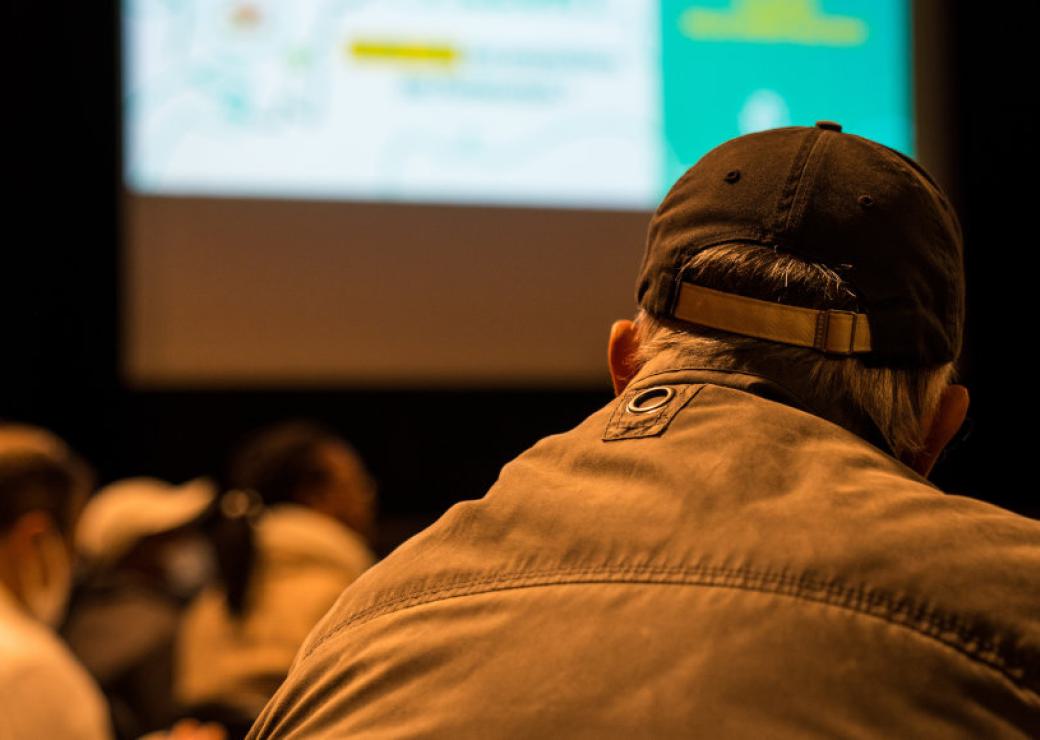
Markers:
point(271, 467)
point(39, 477)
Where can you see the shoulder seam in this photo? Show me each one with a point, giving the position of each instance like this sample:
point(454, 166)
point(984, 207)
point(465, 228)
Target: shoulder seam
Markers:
point(944, 628)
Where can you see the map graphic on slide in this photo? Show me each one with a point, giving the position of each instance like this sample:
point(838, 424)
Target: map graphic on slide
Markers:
point(567, 103)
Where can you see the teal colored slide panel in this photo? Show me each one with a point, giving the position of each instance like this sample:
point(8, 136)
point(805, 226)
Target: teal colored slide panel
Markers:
point(735, 66)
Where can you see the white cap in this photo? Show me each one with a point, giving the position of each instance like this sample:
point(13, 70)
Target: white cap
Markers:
point(123, 513)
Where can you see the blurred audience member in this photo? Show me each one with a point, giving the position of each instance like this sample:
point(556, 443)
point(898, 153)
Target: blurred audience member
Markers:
point(147, 556)
point(292, 533)
point(44, 692)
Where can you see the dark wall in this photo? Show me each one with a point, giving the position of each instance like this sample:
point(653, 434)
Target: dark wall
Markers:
point(996, 193)
point(60, 240)
point(60, 299)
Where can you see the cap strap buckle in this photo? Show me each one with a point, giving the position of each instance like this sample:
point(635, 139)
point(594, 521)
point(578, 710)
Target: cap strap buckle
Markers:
point(836, 331)
point(832, 331)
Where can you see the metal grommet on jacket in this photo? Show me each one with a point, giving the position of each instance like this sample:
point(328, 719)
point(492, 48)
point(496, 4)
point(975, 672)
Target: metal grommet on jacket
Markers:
point(650, 399)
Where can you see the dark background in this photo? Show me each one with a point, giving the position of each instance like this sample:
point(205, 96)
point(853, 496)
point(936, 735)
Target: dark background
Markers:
point(60, 287)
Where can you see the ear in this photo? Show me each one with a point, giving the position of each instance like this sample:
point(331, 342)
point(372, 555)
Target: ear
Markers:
point(622, 351)
point(20, 544)
point(27, 530)
point(948, 417)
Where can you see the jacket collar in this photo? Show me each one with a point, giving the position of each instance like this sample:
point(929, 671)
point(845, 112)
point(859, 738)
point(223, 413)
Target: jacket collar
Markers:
point(781, 386)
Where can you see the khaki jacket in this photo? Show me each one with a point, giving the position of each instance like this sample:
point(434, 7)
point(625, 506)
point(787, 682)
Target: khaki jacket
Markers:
point(726, 565)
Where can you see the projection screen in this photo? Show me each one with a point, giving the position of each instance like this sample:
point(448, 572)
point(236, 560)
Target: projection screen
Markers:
point(443, 192)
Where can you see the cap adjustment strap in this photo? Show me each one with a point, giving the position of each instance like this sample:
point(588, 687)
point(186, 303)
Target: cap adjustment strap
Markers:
point(832, 331)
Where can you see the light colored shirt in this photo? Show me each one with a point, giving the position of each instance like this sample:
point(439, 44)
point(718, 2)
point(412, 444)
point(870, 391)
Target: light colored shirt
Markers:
point(44, 692)
point(304, 561)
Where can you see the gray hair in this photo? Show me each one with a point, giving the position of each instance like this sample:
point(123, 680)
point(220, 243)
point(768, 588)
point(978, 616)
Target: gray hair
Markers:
point(897, 400)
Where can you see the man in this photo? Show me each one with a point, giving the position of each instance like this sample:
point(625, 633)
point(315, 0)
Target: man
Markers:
point(44, 692)
point(743, 543)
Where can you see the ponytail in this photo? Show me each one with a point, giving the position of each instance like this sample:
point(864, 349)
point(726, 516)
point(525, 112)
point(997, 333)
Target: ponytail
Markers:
point(270, 468)
point(235, 546)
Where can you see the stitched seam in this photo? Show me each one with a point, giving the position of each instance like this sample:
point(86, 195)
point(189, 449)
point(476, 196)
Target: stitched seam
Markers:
point(661, 420)
point(785, 206)
point(806, 180)
point(902, 613)
point(822, 321)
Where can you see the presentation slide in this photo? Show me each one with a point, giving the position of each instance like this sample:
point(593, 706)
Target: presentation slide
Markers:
point(596, 104)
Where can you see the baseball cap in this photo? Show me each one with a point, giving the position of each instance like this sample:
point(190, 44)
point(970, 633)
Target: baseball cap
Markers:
point(868, 212)
point(123, 513)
